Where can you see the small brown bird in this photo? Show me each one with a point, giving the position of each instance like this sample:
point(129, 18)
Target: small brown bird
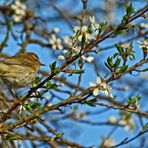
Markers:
point(20, 70)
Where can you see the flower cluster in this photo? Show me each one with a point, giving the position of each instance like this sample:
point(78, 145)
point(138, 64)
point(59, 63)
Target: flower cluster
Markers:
point(143, 26)
point(101, 86)
point(81, 37)
point(55, 42)
point(108, 142)
point(83, 33)
point(87, 33)
point(68, 42)
point(144, 44)
point(19, 9)
point(126, 120)
point(112, 120)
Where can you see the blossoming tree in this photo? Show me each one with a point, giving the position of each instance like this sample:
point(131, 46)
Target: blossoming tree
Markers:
point(93, 90)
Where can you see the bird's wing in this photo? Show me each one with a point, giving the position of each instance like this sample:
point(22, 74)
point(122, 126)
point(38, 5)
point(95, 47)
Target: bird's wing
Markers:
point(11, 61)
point(3, 68)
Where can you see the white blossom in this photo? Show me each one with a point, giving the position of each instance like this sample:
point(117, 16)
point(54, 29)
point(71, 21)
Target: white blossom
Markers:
point(144, 44)
point(76, 49)
point(47, 98)
point(55, 42)
point(108, 142)
point(101, 86)
point(65, 51)
point(99, 80)
point(61, 57)
point(94, 24)
point(92, 84)
point(128, 123)
point(112, 120)
point(67, 40)
point(126, 88)
point(19, 10)
point(126, 45)
point(89, 59)
point(105, 92)
point(83, 33)
point(96, 92)
point(144, 25)
point(56, 30)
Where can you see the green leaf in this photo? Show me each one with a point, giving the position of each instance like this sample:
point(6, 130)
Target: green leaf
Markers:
point(120, 48)
point(123, 31)
point(145, 127)
point(53, 68)
point(125, 18)
point(115, 55)
point(78, 71)
point(59, 135)
point(53, 65)
point(27, 107)
point(129, 12)
point(10, 25)
point(134, 100)
point(50, 85)
point(89, 30)
point(57, 70)
point(78, 33)
point(127, 116)
point(110, 61)
point(132, 57)
point(91, 102)
point(34, 105)
point(12, 137)
point(37, 81)
point(30, 106)
point(123, 68)
point(83, 39)
point(102, 26)
point(129, 9)
point(117, 63)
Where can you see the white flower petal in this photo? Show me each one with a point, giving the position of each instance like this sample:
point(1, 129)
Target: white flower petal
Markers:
point(83, 57)
point(60, 46)
point(54, 46)
point(90, 59)
point(56, 30)
point(96, 92)
point(61, 57)
point(92, 84)
point(110, 94)
point(105, 92)
point(92, 19)
point(18, 3)
point(65, 51)
point(104, 85)
point(112, 119)
point(14, 7)
point(80, 38)
point(99, 80)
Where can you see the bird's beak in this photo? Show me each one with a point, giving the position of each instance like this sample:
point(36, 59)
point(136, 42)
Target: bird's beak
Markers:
point(42, 64)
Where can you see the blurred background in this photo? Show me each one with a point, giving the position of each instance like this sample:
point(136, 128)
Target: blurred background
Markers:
point(46, 27)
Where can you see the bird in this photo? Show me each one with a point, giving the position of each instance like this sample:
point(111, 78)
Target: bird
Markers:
point(20, 70)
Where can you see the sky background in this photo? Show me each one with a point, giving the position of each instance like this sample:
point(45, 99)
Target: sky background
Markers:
point(83, 133)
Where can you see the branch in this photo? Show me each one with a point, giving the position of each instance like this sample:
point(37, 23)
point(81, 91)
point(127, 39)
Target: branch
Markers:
point(17, 102)
point(126, 141)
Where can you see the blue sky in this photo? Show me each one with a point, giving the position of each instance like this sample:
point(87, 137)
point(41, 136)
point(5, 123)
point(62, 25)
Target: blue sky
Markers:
point(89, 135)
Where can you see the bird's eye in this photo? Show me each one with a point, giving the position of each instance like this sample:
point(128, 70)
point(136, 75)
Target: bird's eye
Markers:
point(37, 60)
